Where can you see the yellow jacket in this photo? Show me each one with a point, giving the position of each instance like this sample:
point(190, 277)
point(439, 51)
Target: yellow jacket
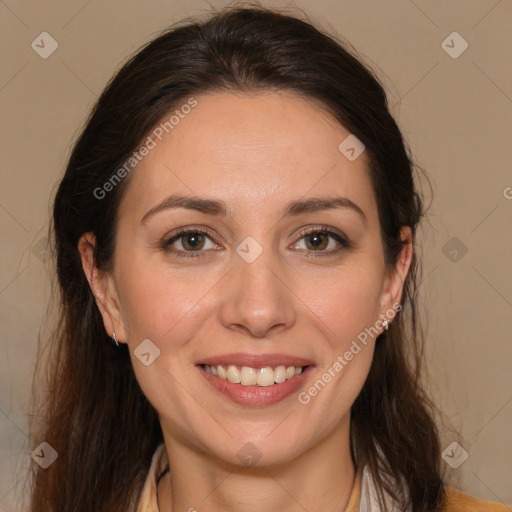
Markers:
point(456, 500)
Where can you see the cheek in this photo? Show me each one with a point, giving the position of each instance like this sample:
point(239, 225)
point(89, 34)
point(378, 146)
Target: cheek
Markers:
point(348, 310)
point(347, 301)
point(168, 306)
point(164, 307)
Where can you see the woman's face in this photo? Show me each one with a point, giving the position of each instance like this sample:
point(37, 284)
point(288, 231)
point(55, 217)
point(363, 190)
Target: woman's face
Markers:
point(256, 285)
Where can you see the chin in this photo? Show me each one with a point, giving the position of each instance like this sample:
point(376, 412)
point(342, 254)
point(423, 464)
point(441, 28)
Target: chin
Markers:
point(259, 451)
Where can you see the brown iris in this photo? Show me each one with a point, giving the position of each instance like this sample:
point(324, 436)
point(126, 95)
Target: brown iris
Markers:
point(193, 241)
point(317, 243)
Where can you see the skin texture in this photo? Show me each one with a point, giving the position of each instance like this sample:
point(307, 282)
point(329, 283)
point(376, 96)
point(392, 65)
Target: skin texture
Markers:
point(256, 153)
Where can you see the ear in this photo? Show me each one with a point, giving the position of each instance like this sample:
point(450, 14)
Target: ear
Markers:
point(103, 288)
point(393, 285)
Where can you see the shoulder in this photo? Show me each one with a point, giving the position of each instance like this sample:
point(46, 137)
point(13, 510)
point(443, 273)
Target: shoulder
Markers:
point(457, 501)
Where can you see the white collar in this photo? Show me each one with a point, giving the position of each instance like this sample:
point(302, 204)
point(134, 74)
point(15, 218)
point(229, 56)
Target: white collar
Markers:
point(369, 498)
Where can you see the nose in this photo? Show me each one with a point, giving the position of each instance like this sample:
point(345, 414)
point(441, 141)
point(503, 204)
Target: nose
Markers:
point(257, 299)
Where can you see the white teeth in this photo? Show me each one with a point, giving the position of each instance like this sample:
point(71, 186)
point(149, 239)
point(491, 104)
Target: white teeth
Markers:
point(265, 376)
point(247, 376)
point(233, 375)
point(221, 372)
point(280, 374)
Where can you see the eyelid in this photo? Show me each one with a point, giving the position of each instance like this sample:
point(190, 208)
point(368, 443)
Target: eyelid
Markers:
point(190, 229)
point(324, 229)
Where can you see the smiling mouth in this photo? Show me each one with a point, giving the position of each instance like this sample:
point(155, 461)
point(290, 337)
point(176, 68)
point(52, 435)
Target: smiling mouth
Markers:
point(260, 377)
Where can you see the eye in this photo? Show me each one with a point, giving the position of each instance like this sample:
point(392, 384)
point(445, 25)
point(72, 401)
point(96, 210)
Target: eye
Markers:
point(187, 240)
point(319, 239)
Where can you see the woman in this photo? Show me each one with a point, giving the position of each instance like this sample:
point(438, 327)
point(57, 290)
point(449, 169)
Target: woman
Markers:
point(239, 217)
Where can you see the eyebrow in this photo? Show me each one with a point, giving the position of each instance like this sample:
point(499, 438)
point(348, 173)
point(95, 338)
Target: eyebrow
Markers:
point(216, 207)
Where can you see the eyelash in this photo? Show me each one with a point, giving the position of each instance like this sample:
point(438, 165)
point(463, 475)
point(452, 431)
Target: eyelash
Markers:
point(344, 243)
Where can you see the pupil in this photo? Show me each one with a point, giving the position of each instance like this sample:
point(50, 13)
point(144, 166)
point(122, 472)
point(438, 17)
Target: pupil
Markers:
point(317, 238)
point(195, 237)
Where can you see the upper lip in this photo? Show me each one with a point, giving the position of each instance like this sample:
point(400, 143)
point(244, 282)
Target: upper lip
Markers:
point(255, 360)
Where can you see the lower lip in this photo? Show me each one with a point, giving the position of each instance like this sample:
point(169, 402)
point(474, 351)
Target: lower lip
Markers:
point(257, 395)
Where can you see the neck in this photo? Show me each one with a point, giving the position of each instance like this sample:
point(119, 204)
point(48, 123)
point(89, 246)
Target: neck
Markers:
point(319, 479)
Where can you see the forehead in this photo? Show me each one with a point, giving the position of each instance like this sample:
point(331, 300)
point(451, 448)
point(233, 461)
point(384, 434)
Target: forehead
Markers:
point(246, 149)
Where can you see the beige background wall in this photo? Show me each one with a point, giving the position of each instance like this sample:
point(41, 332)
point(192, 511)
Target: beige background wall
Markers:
point(456, 114)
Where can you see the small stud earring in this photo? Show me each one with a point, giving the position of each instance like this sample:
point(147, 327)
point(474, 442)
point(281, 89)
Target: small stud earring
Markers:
point(114, 339)
point(385, 324)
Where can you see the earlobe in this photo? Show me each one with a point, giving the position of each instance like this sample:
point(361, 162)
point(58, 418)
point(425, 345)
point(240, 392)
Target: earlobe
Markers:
point(102, 287)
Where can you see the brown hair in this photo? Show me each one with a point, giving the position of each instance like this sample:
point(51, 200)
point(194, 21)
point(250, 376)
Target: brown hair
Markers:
point(95, 414)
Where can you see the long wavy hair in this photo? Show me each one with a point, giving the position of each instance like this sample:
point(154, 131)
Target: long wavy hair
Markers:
point(92, 411)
